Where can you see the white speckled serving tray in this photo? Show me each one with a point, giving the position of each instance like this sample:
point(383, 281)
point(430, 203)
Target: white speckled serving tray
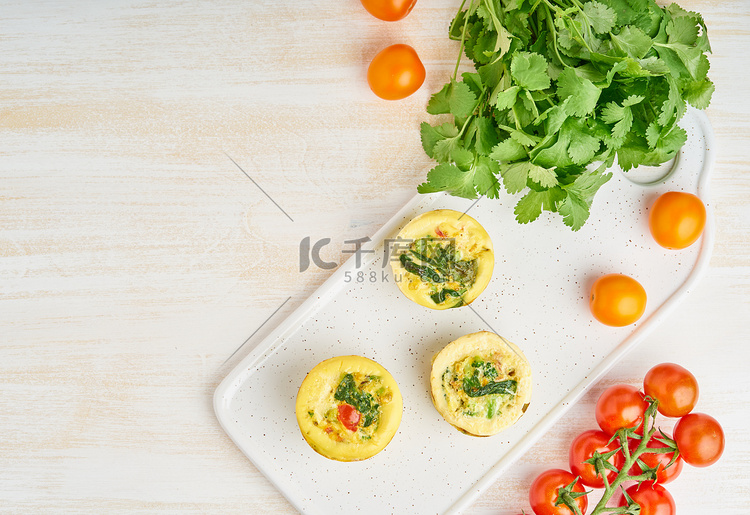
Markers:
point(538, 298)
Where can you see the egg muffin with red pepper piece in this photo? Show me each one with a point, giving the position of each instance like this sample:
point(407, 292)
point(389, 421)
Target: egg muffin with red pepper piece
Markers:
point(481, 383)
point(442, 259)
point(348, 408)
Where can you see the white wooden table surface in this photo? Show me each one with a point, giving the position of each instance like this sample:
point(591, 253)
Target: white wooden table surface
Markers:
point(135, 257)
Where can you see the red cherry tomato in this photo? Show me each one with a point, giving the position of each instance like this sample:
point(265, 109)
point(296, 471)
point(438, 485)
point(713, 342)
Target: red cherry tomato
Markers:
point(657, 460)
point(617, 300)
point(653, 499)
point(583, 448)
point(349, 416)
point(620, 406)
point(389, 10)
point(700, 439)
point(675, 388)
point(677, 219)
point(396, 72)
point(544, 490)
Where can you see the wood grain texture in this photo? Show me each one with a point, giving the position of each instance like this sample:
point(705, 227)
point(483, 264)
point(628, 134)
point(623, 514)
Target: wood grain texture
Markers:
point(135, 257)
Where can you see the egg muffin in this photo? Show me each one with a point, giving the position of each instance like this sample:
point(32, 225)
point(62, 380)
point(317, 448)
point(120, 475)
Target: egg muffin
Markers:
point(348, 408)
point(481, 383)
point(442, 259)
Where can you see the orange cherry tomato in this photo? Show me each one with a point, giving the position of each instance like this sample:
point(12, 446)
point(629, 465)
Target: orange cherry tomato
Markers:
point(617, 300)
point(677, 219)
point(389, 10)
point(396, 72)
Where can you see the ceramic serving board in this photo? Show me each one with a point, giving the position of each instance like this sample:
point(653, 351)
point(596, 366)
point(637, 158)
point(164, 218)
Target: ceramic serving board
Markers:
point(537, 298)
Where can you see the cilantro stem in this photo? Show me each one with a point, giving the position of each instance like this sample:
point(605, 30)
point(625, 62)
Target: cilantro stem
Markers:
point(573, 27)
point(493, 14)
point(579, 6)
point(463, 33)
point(553, 31)
point(516, 120)
point(533, 7)
point(576, 32)
point(472, 115)
point(554, 7)
point(453, 23)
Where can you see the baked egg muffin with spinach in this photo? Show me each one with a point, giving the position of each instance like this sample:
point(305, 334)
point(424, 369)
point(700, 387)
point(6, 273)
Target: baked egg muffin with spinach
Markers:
point(348, 408)
point(481, 383)
point(442, 259)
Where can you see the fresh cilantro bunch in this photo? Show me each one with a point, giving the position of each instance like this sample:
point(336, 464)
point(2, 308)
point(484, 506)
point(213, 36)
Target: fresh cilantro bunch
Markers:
point(561, 89)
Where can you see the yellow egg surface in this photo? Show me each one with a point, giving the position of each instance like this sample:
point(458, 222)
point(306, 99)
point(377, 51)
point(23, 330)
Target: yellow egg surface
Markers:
point(481, 383)
point(348, 408)
point(442, 259)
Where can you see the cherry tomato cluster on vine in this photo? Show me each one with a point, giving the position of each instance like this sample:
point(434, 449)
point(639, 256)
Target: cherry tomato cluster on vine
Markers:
point(676, 220)
point(396, 71)
point(628, 447)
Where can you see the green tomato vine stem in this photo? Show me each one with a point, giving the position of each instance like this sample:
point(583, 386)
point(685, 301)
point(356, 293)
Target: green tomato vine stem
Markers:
point(631, 458)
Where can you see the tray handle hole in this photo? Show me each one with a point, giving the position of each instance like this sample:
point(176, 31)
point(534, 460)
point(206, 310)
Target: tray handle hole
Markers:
point(652, 175)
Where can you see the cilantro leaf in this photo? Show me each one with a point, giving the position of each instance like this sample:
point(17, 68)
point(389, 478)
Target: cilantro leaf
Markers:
point(479, 179)
point(632, 42)
point(601, 17)
point(632, 100)
point(556, 154)
point(544, 177)
point(698, 93)
point(448, 177)
point(533, 202)
point(682, 30)
point(588, 183)
point(485, 177)
point(450, 150)
point(619, 115)
point(581, 94)
point(524, 139)
point(432, 135)
point(554, 117)
point(530, 71)
point(508, 150)
point(653, 133)
point(622, 127)
point(575, 144)
point(583, 147)
point(575, 207)
point(492, 73)
point(482, 134)
point(672, 142)
point(455, 98)
point(515, 175)
point(505, 99)
point(690, 56)
point(574, 211)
